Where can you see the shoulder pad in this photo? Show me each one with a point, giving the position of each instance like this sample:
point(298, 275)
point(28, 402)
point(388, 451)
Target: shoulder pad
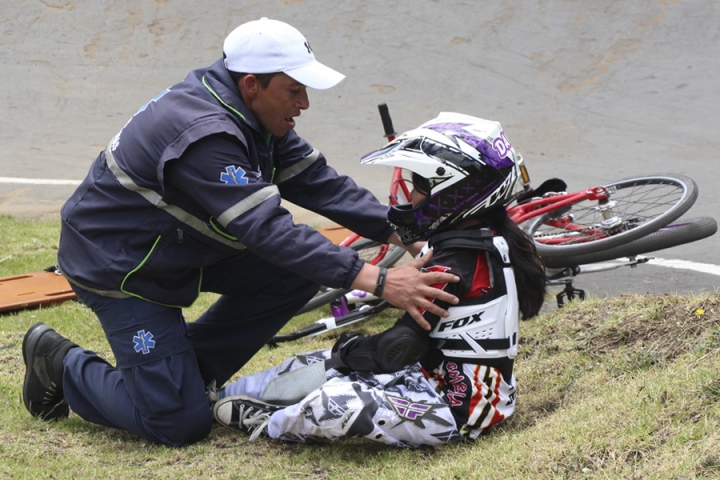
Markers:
point(483, 239)
point(466, 239)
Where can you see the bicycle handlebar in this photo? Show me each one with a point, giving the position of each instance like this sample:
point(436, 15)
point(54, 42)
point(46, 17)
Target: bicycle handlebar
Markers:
point(387, 122)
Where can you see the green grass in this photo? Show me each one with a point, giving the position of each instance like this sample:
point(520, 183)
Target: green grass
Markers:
point(608, 388)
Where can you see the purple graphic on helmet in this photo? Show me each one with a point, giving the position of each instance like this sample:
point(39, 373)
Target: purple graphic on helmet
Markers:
point(489, 154)
point(442, 206)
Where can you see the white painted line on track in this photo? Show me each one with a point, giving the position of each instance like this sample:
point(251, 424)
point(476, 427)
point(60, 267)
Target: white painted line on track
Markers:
point(661, 262)
point(687, 265)
point(38, 181)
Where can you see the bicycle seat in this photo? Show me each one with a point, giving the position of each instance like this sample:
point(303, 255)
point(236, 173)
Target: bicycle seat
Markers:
point(549, 185)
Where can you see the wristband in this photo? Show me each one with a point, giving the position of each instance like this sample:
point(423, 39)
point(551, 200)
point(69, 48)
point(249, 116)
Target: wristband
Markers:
point(380, 285)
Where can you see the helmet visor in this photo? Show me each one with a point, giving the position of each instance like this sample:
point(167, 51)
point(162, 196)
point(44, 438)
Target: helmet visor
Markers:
point(384, 152)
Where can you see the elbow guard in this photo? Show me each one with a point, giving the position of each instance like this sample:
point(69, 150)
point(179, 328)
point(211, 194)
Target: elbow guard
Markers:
point(389, 351)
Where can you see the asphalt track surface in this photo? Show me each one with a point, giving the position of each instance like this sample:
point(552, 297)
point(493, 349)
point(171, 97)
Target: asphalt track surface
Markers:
point(587, 91)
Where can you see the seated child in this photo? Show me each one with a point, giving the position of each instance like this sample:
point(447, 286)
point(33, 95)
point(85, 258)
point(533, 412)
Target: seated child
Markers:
point(407, 386)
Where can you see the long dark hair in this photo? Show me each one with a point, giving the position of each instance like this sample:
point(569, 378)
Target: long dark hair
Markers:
point(529, 269)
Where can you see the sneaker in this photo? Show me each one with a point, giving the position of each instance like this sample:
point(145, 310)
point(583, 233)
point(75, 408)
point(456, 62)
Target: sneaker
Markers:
point(244, 413)
point(43, 352)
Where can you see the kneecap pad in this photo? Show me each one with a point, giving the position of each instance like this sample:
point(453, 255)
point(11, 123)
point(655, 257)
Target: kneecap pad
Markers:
point(389, 351)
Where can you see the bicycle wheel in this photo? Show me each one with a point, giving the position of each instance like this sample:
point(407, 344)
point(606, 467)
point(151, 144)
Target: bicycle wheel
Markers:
point(368, 251)
point(641, 205)
point(672, 235)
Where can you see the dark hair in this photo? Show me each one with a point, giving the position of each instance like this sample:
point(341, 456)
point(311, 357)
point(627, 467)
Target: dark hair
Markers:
point(263, 78)
point(529, 269)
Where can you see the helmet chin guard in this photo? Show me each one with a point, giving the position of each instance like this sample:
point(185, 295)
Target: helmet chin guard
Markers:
point(469, 163)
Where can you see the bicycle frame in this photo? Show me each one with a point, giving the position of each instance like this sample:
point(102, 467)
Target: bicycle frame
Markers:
point(533, 208)
point(556, 202)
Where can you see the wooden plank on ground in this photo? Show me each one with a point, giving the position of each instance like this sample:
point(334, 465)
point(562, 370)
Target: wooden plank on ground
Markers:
point(39, 289)
point(33, 290)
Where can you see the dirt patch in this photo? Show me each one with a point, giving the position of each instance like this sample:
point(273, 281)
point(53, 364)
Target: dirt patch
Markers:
point(664, 327)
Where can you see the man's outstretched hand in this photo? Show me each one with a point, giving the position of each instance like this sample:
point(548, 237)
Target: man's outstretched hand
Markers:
point(410, 289)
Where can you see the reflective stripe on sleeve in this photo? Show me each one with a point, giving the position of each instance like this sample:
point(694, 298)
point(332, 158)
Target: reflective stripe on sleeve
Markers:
point(156, 199)
point(247, 204)
point(295, 169)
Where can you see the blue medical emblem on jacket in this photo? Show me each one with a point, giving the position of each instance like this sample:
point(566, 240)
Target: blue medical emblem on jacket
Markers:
point(234, 176)
point(143, 342)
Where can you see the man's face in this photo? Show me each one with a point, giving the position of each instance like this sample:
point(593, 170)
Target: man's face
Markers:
point(276, 106)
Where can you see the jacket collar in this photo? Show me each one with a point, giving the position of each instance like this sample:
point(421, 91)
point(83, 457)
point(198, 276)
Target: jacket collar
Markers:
point(217, 81)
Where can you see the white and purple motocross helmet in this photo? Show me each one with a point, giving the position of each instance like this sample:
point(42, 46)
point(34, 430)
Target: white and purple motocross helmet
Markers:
point(466, 165)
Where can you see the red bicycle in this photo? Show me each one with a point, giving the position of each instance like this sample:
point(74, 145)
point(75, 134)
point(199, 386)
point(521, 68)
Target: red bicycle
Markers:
point(596, 229)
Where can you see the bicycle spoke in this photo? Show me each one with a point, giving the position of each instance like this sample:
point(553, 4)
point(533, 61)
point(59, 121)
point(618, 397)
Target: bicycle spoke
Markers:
point(633, 204)
point(635, 207)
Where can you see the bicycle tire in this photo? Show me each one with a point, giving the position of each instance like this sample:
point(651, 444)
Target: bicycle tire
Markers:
point(645, 204)
point(393, 254)
point(672, 235)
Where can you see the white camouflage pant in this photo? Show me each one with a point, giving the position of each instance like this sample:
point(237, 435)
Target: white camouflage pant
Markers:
point(402, 408)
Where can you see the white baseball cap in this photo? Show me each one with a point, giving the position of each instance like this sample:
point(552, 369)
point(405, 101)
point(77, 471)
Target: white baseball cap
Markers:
point(268, 46)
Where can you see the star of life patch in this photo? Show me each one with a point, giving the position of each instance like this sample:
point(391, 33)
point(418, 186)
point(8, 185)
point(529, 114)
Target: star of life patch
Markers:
point(233, 176)
point(143, 342)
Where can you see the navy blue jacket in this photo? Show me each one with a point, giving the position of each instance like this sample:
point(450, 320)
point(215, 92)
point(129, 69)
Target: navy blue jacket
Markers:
point(193, 179)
